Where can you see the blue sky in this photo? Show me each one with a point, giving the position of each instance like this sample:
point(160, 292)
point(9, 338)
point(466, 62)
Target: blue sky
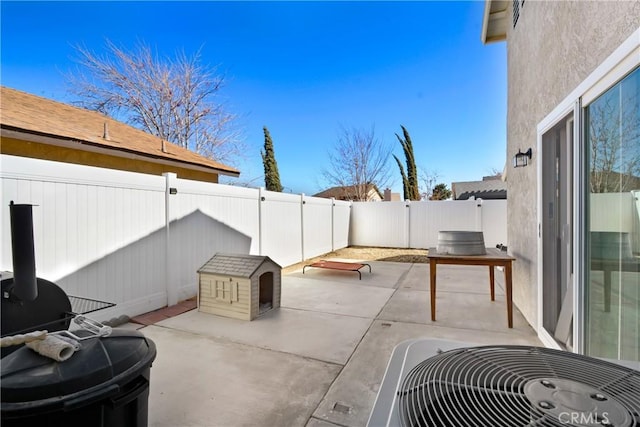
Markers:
point(303, 69)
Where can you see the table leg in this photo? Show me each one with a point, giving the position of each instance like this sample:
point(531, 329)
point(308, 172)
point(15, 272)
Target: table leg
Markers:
point(508, 285)
point(492, 276)
point(432, 287)
point(607, 290)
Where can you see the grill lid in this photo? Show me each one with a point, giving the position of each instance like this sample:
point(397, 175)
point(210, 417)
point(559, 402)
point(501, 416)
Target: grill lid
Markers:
point(30, 380)
point(50, 310)
point(519, 386)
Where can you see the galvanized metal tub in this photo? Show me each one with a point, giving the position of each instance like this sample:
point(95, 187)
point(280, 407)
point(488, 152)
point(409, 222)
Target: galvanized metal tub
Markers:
point(461, 243)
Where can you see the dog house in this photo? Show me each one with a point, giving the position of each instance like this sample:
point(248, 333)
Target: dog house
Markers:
point(239, 286)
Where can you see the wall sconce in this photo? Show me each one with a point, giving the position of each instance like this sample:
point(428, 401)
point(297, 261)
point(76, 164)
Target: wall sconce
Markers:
point(521, 159)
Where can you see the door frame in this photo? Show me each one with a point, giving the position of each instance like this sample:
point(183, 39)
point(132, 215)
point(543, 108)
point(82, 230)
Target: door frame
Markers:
point(544, 127)
point(622, 61)
point(557, 156)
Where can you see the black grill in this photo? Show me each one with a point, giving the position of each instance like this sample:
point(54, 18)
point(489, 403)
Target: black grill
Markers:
point(519, 386)
point(106, 383)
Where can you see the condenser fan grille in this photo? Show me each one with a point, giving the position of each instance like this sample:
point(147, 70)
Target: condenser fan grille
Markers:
point(518, 386)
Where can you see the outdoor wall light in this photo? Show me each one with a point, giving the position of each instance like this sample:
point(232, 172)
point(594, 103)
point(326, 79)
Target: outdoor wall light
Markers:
point(521, 159)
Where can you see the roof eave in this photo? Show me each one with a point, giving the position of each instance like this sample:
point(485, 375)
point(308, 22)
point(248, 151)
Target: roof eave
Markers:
point(11, 132)
point(494, 21)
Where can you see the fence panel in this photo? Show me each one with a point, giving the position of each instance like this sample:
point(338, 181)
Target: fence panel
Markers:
point(207, 218)
point(420, 232)
point(95, 233)
point(635, 197)
point(416, 224)
point(317, 223)
point(235, 207)
point(382, 224)
point(281, 227)
point(449, 215)
point(494, 222)
point(612, 212)
point(617, 212)
point(341, 222)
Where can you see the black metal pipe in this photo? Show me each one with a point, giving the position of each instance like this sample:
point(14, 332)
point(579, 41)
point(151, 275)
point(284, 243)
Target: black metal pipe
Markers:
point(25, 285)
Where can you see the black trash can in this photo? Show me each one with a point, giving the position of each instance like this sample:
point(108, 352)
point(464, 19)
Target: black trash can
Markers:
point(106, 383)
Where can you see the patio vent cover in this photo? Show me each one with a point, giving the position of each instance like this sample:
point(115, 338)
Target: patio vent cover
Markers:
point(518, 386)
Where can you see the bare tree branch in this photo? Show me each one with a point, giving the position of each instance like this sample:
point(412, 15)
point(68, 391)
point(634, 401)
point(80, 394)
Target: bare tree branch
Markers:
point(614, 133)
point(357, 161)
point(175, 99)
point(429, 180)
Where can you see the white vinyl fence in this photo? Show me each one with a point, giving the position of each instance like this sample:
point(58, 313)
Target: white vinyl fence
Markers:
point(617, 212)
point(416, 224)
point(138, 240)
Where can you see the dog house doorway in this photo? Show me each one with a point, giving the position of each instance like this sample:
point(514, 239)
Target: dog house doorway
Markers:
point(266, 292)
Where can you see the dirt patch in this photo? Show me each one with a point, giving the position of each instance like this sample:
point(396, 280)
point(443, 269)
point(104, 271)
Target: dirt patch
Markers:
point(366, 253)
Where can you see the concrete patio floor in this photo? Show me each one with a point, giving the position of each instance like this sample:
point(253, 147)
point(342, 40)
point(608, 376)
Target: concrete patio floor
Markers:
point(318, 360)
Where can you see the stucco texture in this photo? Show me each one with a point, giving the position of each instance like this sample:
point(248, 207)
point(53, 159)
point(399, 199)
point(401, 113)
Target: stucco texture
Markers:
point(553, 48)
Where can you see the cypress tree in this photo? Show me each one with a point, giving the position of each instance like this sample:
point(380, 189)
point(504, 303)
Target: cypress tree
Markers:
point(405, 182)
point(271, 174)
point(410, 179)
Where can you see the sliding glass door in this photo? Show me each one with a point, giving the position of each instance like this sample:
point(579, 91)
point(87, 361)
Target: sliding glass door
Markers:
point(612, 276)
point(556, 155)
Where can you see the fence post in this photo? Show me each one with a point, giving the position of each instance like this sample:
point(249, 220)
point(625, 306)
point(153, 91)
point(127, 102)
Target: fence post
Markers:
point(333, 227)
point(349, 239)
point(407, 218)
point(302, 203)
point(261, 200)
point(479, 225)
point(171, 284)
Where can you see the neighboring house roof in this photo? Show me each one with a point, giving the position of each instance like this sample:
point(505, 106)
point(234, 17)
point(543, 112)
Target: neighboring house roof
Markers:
point(495, 21)
point(486, 189)
point(31, 118)
point(391, 197)
point(235, 265)
point(350, 192)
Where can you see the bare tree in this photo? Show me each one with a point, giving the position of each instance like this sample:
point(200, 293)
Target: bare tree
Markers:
point(175, 99)
point(614, 135)
point(429, 179)
point(495, 172)
point(358, 161)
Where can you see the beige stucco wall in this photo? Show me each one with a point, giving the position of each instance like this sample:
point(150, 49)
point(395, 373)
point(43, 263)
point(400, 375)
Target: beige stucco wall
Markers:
point(554, 47)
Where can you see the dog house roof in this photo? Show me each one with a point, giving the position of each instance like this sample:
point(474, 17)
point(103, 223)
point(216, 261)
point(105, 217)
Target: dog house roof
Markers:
point(237, 265)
